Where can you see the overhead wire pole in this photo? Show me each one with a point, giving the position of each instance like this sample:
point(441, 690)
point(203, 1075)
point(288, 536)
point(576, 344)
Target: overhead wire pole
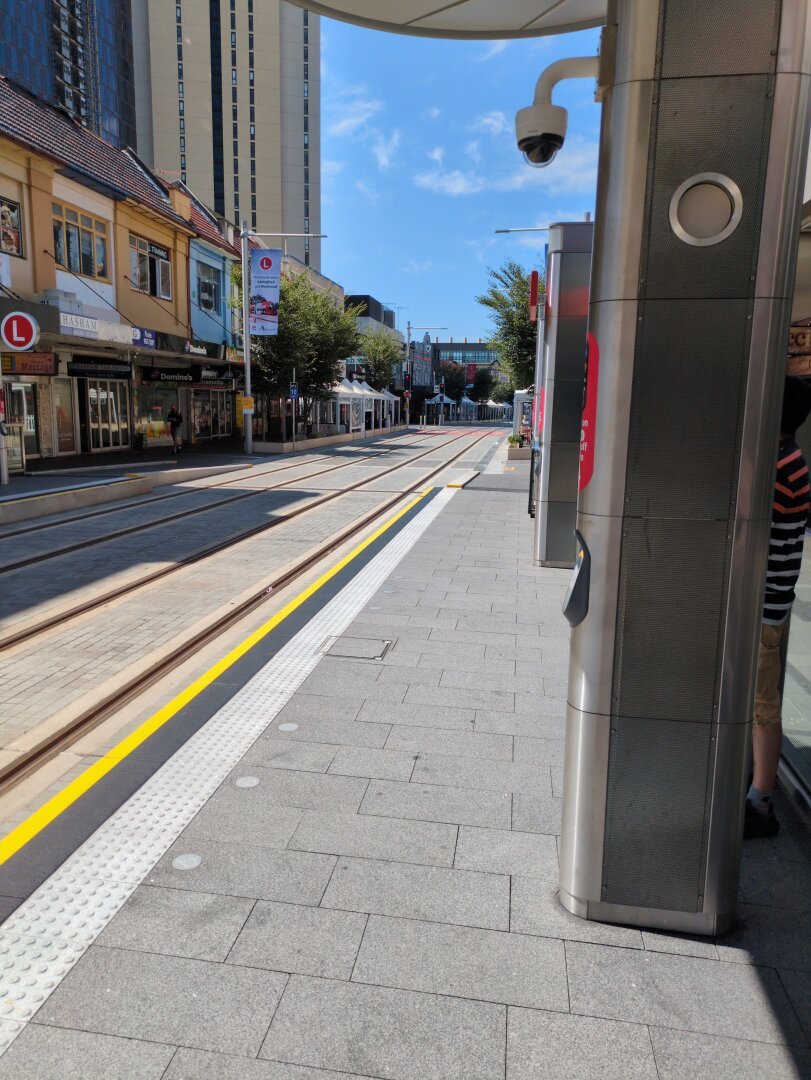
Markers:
point(244, 234)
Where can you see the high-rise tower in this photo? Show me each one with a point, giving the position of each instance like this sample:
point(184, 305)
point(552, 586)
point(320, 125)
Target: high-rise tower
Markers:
point(227, 99)
point(76, 54)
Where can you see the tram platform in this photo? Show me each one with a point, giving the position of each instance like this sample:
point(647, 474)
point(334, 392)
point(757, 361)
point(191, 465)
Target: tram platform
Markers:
point(350, 867)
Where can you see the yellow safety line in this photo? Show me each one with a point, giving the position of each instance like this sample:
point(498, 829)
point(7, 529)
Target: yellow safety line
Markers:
point(55, 806)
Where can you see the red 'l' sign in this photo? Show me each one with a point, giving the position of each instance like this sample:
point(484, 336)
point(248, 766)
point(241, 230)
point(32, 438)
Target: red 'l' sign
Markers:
point(588, 430)
point(19, 331)
point(266, 262)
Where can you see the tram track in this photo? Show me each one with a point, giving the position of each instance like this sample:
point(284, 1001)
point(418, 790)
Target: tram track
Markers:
point(129, 530)
point(248, 473)
point(59, 618)
point(29, 761)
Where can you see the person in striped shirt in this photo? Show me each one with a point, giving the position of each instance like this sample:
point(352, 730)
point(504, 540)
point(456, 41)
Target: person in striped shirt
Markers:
point(789, 514)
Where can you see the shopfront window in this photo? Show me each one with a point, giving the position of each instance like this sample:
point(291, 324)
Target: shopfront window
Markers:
point(22, 410)
point(108, 412)
point(212, 414)
point(63, 407)
point(154, 402)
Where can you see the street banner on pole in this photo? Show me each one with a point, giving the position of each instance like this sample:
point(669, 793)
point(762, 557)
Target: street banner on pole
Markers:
point(263, 311)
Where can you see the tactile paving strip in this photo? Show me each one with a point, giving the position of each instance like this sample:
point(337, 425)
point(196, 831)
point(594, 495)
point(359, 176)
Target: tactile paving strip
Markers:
point(50, 931)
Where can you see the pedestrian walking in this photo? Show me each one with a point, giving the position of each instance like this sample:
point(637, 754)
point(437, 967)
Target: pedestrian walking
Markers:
point(174, 419)
point(789, 515)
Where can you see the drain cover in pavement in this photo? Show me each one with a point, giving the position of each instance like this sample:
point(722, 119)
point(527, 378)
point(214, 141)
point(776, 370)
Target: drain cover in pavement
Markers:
point(350, 648)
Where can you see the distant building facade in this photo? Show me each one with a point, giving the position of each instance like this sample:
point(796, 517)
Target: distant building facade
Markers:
point(472, 355)
point(77, 55)
point(374, 316)
point(228, 101)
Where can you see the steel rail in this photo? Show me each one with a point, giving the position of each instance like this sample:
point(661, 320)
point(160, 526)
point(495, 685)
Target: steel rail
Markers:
point(29, 761)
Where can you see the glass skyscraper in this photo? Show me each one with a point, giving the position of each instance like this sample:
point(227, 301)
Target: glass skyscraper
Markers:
point(76, 54)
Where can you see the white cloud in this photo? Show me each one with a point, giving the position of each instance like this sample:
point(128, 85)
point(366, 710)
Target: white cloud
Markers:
point(331, 168)
point(367, 191)
point(454, 182)
point(383, 148)
point(433, 113)
point(473, 152)
point(352, 114)
point(574, 172)
point(493, 50)
point(494, 123)
point(417, 266)
point(437, 154)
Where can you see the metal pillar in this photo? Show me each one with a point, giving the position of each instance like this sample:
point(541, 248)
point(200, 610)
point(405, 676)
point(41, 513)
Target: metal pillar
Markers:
point(703, 147)
point(568, 265)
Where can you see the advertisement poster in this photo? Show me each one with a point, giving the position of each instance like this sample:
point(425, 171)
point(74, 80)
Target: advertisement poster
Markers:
point(263, 304)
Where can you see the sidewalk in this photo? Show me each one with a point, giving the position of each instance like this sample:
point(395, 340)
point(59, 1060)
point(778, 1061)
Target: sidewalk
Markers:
point(372, 889)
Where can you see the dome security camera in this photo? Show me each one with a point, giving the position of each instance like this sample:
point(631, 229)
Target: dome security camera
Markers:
point(539, 131)
point(541, 127)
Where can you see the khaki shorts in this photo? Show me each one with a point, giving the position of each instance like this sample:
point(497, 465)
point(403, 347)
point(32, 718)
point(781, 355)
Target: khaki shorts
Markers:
point(768, 699)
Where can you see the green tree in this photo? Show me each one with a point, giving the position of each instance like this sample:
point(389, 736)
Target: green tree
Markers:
point(514, 336)
point(315, 337)
point(482, 385)
point(380, 351)
point(503, 392)
point(454, 376)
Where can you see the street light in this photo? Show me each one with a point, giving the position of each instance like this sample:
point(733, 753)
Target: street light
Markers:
point(244, 234)
point(409, 328)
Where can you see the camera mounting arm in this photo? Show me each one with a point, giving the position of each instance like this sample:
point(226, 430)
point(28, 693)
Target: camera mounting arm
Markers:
point(571, 67)
point(540, 129)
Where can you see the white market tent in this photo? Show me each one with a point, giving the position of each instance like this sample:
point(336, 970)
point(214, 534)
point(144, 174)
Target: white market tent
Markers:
point(438, 404)
point(466, 18)
point(468, 409)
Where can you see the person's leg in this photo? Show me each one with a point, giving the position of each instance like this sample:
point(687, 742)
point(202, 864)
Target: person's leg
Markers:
point(767, 734)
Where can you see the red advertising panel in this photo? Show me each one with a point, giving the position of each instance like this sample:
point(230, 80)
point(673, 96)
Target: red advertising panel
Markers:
point(470, 373)
point(588, 430)
point(533, 296)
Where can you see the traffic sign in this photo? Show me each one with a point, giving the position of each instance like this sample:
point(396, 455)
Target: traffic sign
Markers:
point(293, 390)
point(247, 404)
point(19, 331)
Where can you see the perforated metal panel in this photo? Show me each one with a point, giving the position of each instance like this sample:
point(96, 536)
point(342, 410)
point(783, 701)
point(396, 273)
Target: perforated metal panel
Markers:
point(728, 37)
point(656, 848)
point(691, 364)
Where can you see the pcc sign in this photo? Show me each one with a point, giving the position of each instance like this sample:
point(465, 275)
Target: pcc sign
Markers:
point(19, 331)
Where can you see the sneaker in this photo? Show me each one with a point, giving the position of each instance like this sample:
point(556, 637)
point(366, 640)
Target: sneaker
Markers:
point(758, 824)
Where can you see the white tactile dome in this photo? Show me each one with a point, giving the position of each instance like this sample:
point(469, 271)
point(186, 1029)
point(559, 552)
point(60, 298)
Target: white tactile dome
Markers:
point(465, 18)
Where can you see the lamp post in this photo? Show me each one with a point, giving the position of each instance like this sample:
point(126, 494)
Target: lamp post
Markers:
point(244, 234)
point(409, 328)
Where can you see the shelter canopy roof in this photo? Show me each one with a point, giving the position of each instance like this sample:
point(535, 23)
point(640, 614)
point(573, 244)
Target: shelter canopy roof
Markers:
point(466, 18)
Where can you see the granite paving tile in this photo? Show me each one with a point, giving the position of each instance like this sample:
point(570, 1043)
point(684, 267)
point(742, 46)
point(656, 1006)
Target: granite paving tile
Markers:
point(315, 707)
point(304, 790)
point(487, 965)
point(679, 944)
point(495, 851)
point(214, 1006)
point(681, 992)
point(285, 754)
point(484, 775)
point(535, 909)
point(201, 1065)
point(459, 698)
point(551, 1046)
point(45, 1053)
point(786, 885)
point(432, 893)
point(503, 682)
point(245, 816)
point(798, 988)
point(543, 751)
point(548, 722)
point(362, 836)
point(411, 676)
point(684, 1055)
point(392, 1034)
point(422, 740)
point(545, 704)
point(296, 877)
point(338, 732)
point(430, 802)
point(424, 716)
point(536, 813)
point(364, 761)
point(305, 940)
point(197, 925)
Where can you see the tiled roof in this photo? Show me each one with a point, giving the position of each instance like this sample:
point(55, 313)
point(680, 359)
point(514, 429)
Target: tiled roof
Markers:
point(49, 131)
point(206, 228)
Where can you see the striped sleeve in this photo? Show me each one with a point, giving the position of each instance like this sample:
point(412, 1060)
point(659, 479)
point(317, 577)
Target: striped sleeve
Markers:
point(789, 516)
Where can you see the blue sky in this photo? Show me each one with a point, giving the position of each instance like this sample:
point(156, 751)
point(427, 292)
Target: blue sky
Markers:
point(419, 166)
